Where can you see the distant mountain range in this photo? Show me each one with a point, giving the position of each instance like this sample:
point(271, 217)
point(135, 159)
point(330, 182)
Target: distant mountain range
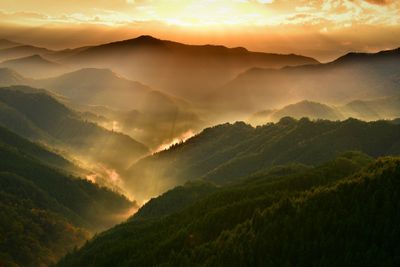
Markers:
point(100, 87)
point(117, 103)
point(34, 66)
point(374, 109)
point(355, 76)
point(232, 81)
point(19, 51)
point(8, 44)
point(177, 68)
point(10, 77)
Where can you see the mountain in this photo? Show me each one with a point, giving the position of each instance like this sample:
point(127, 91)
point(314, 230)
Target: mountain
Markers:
point(9, 77)
point(174, 200)
point(36, 151)
point(4, 43)
point(21, 51)
point(284, 216)
point(97, 87)
point(150, 116)
point(355, 76)
point(225, 153)
point(387, 108)
point(309, 109)
point(45, 211)
point(34, 66)
point(374, 109)
point(40, 117)
point(188, 71)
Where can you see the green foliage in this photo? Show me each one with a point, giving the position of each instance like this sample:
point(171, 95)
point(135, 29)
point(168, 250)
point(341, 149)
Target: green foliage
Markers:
point(40, 117)
point(175, 200)
point(35, 151)
point(224, 154)
point(342, 213)
point(34, 228)
point(43, 211)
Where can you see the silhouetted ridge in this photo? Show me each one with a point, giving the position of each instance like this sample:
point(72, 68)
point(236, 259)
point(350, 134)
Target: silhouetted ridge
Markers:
point(359, 56)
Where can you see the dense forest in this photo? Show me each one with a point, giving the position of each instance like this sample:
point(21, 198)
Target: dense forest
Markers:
point(341, 213)
point(225, 153)
point(46, 212)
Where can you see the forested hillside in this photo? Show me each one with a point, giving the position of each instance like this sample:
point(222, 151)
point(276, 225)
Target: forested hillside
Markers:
point(46, 212)
point(227, 152)
point(343, 212)
point(38, 116)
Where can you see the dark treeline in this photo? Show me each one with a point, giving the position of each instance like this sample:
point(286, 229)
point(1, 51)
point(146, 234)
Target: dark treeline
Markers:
point(341, 213)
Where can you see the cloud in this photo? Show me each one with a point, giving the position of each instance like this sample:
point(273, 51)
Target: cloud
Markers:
point(256, 24)
point(379, 2)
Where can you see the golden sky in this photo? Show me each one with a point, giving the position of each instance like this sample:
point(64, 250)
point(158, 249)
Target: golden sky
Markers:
point(324, 29)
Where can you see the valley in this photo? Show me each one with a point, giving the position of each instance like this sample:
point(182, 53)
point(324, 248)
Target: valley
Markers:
point(144, 150)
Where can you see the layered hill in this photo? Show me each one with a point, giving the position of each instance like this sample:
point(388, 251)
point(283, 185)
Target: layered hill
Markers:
point(373, 109)
point(97, 87)
point(309, 109)
point(10, 77)
point(4, 43)
point(34, 66)
point(20, 51)
point(148, 115)
point(38, 116)
point(104, 97)
point(178, 68)
point(355, 76)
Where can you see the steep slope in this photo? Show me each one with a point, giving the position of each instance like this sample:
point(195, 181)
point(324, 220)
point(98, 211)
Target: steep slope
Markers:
point(352, 77)
point(35, 151)
point(45, 212)
point(174, 200)
point(178, 68)
point(34, 66)
point(225, 153)
point(46, 120)
point(150, 116)
point(282, 217)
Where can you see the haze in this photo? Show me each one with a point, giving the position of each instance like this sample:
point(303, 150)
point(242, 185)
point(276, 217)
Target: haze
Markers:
point(323, 29)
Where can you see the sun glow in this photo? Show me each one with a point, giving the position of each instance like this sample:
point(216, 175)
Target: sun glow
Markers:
point(211, 12)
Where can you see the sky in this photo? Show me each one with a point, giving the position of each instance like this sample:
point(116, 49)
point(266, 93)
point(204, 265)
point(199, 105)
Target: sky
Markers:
point(324, 29)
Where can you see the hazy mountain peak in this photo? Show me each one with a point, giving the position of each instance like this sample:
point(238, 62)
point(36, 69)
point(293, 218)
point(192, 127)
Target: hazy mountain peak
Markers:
point(11, 77)
point(33, 59)
point(143, 40)
point(147, 38)
point(355, 56)
point(4, 43)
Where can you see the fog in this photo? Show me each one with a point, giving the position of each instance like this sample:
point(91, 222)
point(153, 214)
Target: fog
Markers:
point(149, 95)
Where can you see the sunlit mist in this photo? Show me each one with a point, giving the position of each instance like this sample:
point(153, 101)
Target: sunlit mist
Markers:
point(324, 29)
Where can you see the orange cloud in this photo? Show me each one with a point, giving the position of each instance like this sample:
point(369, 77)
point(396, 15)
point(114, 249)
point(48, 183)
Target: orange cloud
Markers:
point(380, 2)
